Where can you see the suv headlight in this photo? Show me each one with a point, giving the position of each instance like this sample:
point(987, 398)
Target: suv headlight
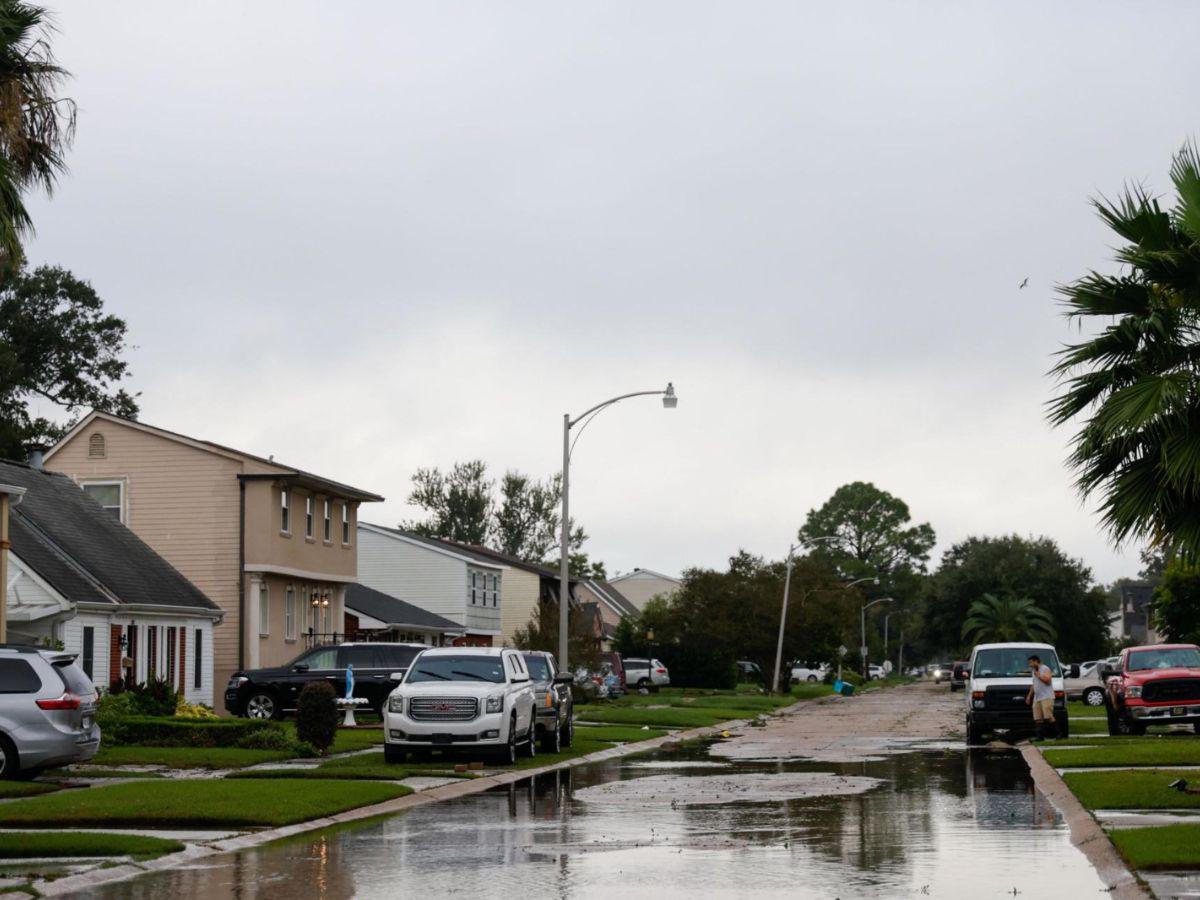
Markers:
point(396, 704)
point(237, 681)
point(1134, 691)
point(494, 705)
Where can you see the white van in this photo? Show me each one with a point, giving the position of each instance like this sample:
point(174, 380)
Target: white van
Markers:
point(998, 679)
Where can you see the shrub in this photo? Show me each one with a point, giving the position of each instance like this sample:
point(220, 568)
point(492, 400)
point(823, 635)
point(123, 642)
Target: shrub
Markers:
point(147, 731)
point(266, 739)
point(152, 698)
point(185, 710)
point(316, 715)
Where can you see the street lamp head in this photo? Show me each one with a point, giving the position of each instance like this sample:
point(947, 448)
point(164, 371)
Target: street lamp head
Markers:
point(670, 401)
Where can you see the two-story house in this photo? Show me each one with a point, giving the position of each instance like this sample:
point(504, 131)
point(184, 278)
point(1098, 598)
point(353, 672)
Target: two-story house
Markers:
point(642, 585)
point(272, 545)
point(611, 605)
point(436, 576)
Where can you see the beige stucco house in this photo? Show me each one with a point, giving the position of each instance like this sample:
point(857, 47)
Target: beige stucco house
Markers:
point(273, 546)
point(643, 585)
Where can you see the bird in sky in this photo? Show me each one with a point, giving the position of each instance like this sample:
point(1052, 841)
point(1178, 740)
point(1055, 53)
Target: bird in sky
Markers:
point(1023, 283)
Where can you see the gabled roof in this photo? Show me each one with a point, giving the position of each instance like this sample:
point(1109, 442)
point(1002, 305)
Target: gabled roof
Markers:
point(486, 554)
point(614, 599)
point(446, 548)
point(84, 553)
point(647, 573)
point(395, 612)
point(308, 479)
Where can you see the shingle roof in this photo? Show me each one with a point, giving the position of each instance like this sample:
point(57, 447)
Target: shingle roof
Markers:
point(620, 603)
point(393, 610)
point(85, 553)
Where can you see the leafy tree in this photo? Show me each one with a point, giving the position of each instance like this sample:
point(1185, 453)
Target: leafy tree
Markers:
point(1015, 566)
point(1176, 604)
point(459, 502)
point(995, 619)
point(1134, 381)
point(36, 125)
point(542, 634)
point(57, 344)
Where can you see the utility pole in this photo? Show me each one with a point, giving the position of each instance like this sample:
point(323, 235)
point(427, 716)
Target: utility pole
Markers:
point(787, 583)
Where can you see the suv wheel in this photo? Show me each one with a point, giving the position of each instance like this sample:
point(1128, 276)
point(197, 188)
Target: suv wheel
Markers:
point(1094, 696)
point(1119, 725)
point(10, 764)
point(262, 705)
point(509, 757)
point(974, 733)
point(568, 735)
point(552, 739)
point(643, 683)
point(531, 736)
point(812, 679)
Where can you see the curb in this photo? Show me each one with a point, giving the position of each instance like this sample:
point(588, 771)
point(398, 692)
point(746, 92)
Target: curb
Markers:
point(462, 788)
point(1086, 833)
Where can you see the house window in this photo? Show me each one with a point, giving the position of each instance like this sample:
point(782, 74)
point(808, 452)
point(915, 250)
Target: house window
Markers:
point(109, 495)
point(285, 512)
point(96, 446)
point(346, 524)
point(89, 651)
point(289, 613)
point(327, 522)
point(495, 590)
point(308, 517)
point(197, 656)
point(474, 591)
point(264, 610)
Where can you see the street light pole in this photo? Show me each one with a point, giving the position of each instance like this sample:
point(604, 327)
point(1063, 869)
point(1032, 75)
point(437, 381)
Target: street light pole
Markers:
point(787, 583)
point(564, 551)
point(863, 625)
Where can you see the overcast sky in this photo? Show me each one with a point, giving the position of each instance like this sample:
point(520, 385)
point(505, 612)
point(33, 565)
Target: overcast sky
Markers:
point(375, 236)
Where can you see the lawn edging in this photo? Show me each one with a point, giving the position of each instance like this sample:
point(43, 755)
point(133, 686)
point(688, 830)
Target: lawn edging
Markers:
point(1086, 833)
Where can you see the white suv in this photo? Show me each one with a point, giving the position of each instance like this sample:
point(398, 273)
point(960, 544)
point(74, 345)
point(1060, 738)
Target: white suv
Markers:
point(477, 697)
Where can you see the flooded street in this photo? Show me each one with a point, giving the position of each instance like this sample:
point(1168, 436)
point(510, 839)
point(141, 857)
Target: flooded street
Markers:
point(919, 817)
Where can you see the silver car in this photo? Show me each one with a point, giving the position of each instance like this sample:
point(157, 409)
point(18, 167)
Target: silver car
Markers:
point(47, 711)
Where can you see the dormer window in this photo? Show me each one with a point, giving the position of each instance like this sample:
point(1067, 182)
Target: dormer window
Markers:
point(96, 446)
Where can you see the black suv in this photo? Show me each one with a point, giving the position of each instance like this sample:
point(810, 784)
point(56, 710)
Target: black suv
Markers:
point(268, 693)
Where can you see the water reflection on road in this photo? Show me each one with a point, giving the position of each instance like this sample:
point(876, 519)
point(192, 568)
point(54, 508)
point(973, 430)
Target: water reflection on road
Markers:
point(942, 823)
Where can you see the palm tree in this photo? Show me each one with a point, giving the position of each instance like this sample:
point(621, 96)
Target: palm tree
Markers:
point(36, 125)
point(1135, 381)
point(1000, 619)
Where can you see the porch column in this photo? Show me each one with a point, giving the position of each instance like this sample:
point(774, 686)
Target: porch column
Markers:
point(253, 617)
point(338, 610)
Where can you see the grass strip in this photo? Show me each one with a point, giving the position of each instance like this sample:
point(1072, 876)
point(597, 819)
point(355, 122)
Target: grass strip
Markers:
point(369, 772)
point(195, 802)
point(1147, 753)
point(99, 773)
point(25, 788)
point(669, 717)
point(1083, 711)
point(1088, 725)
point(32, 845)
point(186, 757)
point(1136, 789)
point(617, 734)
point(1160, 847)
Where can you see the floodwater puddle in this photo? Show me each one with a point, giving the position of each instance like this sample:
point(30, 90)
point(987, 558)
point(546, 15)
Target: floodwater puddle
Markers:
point(927, 823)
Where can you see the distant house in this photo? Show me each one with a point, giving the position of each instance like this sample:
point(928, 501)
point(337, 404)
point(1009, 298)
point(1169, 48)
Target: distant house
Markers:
point(272, 545)
point(642, 585)
point(372, 615)
point(437, 577)
point(77, 575)
point(611, 605)
point(1136, 619)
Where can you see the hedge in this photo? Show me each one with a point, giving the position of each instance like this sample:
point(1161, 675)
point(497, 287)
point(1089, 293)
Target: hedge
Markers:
point(156, 731)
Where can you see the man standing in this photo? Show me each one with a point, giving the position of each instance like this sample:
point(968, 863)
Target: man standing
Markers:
point(1041, 698)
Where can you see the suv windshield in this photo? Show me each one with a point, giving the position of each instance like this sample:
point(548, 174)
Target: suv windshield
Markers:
point(1174, 658)
point(1012, 662)
point(538, 666)
point(457, 668)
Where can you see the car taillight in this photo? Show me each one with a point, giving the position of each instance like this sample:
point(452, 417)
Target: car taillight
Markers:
point(66, 701)
point(661, 671)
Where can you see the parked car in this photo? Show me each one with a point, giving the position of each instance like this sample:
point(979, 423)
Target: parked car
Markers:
point(998, 680)
point(463, 697)
point(47, 711)
point(876, 672)
point(646, 673)
point(958, 676)
point(555, 721)
point(1158, 684)
point(808, 672)
point(939, 672)
point(749, 670)
point(269, 693)
point(1087, 687)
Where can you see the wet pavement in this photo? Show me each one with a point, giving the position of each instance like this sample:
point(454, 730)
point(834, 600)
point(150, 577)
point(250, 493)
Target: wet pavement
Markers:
point(927, 822)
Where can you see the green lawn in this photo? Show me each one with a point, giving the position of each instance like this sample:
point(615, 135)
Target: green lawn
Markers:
point(1082, 710)
point(1145, 752)
point(186, 757)
point(194, 803)
point(99, 773)
point(32, 844)
point(347, 739)
point(1139, 789)
point(1162, 847)
point(620, 734)
point(370, 771)
point(1088, 725)
point(24, 789)
point(669, 717)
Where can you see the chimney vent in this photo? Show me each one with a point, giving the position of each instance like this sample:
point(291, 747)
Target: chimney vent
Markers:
point(37, 456)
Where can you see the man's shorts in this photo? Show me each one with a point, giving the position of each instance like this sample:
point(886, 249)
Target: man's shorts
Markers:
point(1043, 710)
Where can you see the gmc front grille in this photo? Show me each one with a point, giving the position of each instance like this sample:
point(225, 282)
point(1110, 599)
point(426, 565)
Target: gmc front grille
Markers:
point(1172, 690)
point(443, 709)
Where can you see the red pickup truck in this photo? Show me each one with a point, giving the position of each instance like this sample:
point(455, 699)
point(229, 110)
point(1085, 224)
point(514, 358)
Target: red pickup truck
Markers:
point(1153, 685)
